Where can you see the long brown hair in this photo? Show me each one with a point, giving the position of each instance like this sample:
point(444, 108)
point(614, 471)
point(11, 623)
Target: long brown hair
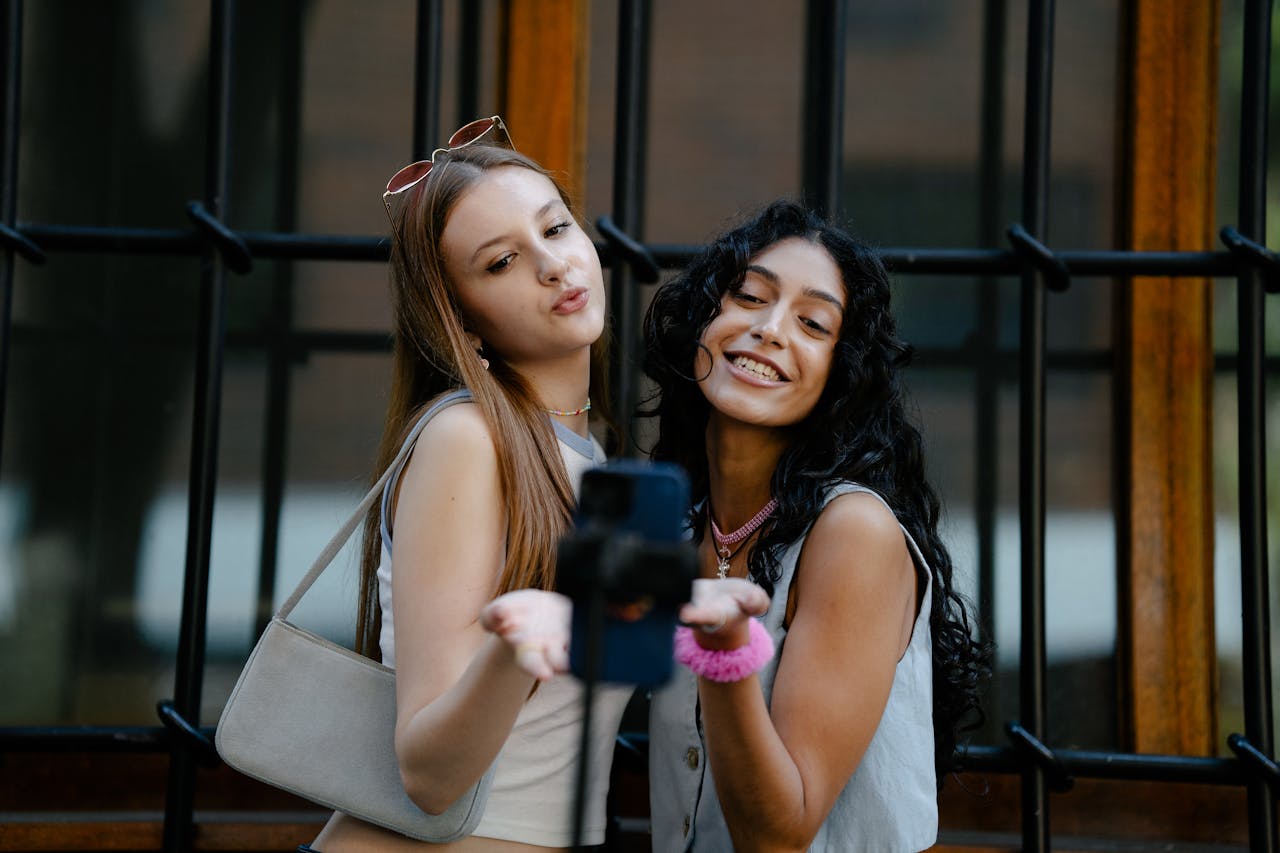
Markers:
point(431, 355)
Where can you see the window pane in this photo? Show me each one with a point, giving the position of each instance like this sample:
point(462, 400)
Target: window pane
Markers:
point(142, 107)
point(357, 106)
point(724, 114)
point(913, 140)
point(97, 424)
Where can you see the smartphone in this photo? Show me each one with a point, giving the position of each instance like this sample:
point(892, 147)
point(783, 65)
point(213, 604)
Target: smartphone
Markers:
point(628, 565)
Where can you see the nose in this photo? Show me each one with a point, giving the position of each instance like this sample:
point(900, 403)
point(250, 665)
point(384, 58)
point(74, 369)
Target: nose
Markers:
point(767, 328)
point(552, 266)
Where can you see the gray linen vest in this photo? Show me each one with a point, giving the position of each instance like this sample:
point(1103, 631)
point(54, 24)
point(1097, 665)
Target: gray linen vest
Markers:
point(890, 802)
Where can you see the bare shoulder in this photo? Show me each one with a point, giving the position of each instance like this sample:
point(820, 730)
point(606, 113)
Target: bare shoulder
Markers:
point(454, 456)
point(856, 545)
point(856, 518)
point(458, 429)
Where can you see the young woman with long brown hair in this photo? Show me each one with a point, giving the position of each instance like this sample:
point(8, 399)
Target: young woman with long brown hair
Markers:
point(499, 314)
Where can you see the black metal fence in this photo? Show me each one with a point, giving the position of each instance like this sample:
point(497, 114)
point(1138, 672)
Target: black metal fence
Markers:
point(225, 251)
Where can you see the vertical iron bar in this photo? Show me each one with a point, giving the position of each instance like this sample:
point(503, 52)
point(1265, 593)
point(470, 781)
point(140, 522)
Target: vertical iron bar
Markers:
point(279, 350)
point(468, 61)
point(426, 77)
point(631, 122)
point(987, 331)
point(1031, 418)
point(1251, 401)
point(11, 67)
point(180, 797)
point(823, 143)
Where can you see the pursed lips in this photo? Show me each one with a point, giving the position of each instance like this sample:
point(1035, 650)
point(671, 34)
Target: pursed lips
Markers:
point(567, 296)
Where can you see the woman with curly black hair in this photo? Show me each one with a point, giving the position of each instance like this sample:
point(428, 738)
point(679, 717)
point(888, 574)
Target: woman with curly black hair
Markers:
point(830, 661)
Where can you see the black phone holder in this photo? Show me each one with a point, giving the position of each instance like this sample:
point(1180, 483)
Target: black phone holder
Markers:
point(626, 591)
point(624, 567)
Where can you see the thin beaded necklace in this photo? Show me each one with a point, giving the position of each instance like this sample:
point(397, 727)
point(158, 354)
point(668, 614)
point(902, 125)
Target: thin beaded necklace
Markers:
point(724, 540)
point(586, 408)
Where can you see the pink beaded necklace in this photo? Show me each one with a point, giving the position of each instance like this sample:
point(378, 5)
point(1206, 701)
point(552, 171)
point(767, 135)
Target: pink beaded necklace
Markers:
point(723, 540)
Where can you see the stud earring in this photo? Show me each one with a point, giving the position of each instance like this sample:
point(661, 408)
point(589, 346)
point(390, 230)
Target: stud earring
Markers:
point(484, 362)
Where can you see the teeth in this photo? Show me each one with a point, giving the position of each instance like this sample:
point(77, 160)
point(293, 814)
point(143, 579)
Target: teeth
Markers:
point(764, 371)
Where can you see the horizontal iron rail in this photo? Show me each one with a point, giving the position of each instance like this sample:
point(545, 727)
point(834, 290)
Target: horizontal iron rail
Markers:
point(302, 342)
point(105, 739)
point(1084, 764)
point(187, 242)
point(327, 247)
point(1088, 764)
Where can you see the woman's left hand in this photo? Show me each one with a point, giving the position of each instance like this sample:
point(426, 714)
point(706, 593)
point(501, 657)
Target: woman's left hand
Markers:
point(721, 608)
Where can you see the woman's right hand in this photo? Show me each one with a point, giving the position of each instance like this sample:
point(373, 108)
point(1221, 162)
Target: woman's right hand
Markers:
point(535, 624)
point(720, 610)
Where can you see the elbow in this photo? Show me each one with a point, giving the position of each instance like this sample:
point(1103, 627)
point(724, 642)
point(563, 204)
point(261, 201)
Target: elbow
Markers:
point(426, 793)
point(776, 844)
point(430, 787)
point(771, 833)
point(427, 785)
point(771, 844)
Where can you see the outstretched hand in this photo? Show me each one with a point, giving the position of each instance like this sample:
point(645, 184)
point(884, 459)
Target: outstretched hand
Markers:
point(722, 608)
point(535, 624)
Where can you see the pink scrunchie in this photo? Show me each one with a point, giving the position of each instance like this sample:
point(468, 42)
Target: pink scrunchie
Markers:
point(730, 664)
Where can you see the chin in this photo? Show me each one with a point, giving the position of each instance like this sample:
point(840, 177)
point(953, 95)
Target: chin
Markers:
point(591, 333)
point(754, 412)
point(742, 411)
point(595, 323)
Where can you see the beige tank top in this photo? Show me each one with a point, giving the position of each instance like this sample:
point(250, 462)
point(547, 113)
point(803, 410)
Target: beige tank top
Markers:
point(535, 776)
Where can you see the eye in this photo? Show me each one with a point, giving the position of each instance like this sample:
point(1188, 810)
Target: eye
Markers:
point(743, 296)
point(500, 264)
point(556, 229)
point(815, 326)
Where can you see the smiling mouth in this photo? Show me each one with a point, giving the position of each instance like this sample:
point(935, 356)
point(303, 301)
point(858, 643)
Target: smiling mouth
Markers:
point(764, 371)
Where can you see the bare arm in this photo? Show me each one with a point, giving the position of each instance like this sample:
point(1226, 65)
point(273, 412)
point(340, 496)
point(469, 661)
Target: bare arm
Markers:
point(779, 771)
point(458, 688)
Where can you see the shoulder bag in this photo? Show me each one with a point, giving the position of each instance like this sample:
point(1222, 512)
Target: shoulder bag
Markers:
point(318, 720)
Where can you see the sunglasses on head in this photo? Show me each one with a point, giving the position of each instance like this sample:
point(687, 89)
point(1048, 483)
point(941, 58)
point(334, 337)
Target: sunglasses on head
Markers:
point(490, 129)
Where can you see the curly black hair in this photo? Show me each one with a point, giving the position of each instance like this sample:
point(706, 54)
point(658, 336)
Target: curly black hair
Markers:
point(859, 431)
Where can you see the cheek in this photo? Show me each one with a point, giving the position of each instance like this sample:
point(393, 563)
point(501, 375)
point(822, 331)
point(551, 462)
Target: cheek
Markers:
point(821, 363)
point(701, 364)
point(702, 356)
point(720, 325)
point(477, 314)
point(584, 255)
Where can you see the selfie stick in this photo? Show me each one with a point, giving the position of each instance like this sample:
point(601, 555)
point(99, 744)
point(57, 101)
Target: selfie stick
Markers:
point(590, 675)
point(629, 550)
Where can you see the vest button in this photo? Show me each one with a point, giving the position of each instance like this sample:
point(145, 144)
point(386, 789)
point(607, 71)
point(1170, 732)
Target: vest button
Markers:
point(686, 825)
point(691, 758)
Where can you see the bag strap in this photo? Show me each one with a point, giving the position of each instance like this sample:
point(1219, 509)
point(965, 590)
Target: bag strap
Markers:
point(344, 532)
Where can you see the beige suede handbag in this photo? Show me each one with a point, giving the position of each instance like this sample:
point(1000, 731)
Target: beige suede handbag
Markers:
point(318, 720)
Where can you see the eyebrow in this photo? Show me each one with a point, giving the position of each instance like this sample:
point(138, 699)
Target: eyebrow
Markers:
point(542, 211)
point(811, 292)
